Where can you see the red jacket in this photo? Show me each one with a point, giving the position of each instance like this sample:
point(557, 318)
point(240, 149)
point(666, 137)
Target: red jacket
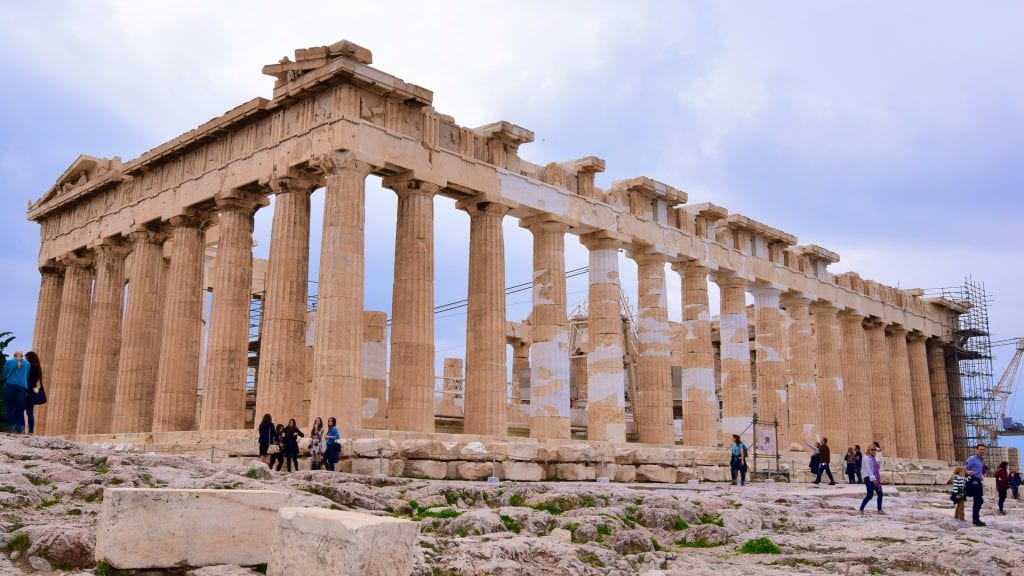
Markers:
point(1002, 479)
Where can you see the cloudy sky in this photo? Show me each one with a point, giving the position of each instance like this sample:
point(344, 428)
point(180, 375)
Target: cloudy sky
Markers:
point(889, 134)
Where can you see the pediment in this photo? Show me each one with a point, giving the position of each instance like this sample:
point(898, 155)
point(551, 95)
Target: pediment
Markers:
point(84, 170)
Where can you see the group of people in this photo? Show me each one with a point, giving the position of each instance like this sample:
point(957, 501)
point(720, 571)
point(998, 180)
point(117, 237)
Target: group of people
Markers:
point(967, 482)
point(279, 444)
point(23, 390)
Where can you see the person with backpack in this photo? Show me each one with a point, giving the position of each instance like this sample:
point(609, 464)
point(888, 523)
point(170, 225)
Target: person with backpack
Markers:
point(738, 460)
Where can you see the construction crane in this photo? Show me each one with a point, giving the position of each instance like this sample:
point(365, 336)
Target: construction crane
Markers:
point(994, 409)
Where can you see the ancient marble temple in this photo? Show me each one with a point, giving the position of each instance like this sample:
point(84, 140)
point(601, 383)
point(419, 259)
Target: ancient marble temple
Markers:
point(120, 320)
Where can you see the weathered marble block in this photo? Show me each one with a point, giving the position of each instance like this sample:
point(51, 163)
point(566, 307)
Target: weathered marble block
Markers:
point(341, 543)
point(155, 528)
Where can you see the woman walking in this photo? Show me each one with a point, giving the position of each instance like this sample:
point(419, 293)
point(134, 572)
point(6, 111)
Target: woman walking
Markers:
point(36, 394)
point(291, 444)
point(333, 444)
point(266, 431)
point(851, 464)
point(1002, 484)
point(15, 378)
point(277, 447)
point(315, 443)
point(872, 473)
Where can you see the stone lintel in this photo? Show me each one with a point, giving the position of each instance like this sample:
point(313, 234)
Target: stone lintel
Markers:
point(518, 332)
point(587, 164)
point(818, 253)
point(706, 209)
point(747, 224)
point(653, 189)
point(507, 132)
point(958, 307)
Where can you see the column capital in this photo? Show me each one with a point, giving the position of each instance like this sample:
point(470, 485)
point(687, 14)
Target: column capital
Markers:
point(916, 336)
point(109, 246)
point(824, 306)
point(727, 279)
point(641, 255)
point(406, 184)
point(895, 330)
point(600, 241)
point(545, 222)
point(72, 260)
point(146, 236)
point(796, 300)
point(765, 295)
point(303, 182)
point(340, 162)
point(848, 315)
point(696, 266)
point(873, 323)
point(482, 207)
point(51, 268)
point(191, 218)
point(239, 201)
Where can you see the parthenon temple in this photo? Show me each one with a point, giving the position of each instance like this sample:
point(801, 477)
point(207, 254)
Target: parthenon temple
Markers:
point(147, 269)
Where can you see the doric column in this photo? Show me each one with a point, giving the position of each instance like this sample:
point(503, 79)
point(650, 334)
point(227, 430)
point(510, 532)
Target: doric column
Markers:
point(772, 396)
point(801, 354)
point(137, 367)
point(922, 396)
point(832, 408)
point(283, 342)
point(856, 379)
point(103, 343)
point(901, 394)
point(520, 376)
point(737, 389)
point(940, 400)
point(227, 346)
point(411, 386)
point(700, 405)
point(606, 380)
point(337, 389)
point(44, 336)
point(652, 408)
point(64, 386)
point(178, 373)
point(549, 350)
point(486, 405)
point(375, 359)
point(882, 425)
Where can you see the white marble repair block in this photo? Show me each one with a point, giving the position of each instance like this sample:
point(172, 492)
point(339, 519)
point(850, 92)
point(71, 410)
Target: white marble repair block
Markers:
point(154, 528)
point(341, 543)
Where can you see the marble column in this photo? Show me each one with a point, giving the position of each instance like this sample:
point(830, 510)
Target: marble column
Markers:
point(922, 396)
point(831, 394)
point(856, 379)
point(940, 400)
point(375, 358)
point(737, 388)
point(606, 380)
point(63, 387)
point(44, 335)
point(337, 385)
point(772, 396)
point(178, 373)
point(485, 396)
point(411, 382)
point(103, 343)
point(281, 379)
point(652, 407)
point(137, 368)
point(520, 376)
point(700, 404)
point(227, 346)
point(801, 354)
point(549, 350)
point(901, 392)
point(882, 425)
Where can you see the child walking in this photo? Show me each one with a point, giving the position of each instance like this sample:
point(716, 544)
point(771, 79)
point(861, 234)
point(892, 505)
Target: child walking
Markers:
point(959, 495)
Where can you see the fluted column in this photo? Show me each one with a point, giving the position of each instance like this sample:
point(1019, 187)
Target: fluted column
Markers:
point(801, 354)
point(700, 405)
point(922, 396)
point(831, 393)
point(44, 335)
point(606, 380)
point(737, 389)
point(856, 379)
point(549, 350)
point(103, 343)
point(901, 393)
point(882, 425)
point(940, 400)
point(137, 367)
point(653, 405)
point(411, 382)
point(227, 346)
point(486, 403)
point(772, 395)
point(178, 373)
point(64, 386)
point(281, 378)
point(338, 350)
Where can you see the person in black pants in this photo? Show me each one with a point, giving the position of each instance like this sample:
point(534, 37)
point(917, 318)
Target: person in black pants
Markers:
point(291, 445)
point(825, 457)
point(266, 431)
point(277, 447)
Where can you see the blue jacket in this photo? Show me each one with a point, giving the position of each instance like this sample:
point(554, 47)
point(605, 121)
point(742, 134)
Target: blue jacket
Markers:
point(15, 375)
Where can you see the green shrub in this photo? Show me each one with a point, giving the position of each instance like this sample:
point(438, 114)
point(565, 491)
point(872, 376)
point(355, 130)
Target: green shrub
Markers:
point(698, 543)
point(759, 546)
point(589, 558)
point(516, 500)
point(18, 543)
point(604, 529)
point(510, 524)
point(710, 519)
point(680, 524)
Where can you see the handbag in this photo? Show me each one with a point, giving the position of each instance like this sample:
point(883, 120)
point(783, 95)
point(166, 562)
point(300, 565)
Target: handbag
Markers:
point(273, 449)
point(36, 398)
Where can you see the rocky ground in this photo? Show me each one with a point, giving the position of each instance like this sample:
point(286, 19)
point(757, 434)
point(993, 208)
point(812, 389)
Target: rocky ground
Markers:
point(51, 492)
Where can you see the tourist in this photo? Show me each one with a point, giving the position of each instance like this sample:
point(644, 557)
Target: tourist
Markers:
point(315, 447)
point(291, 444)
point(824, 457)
point(975, 466)
point(815, 456)
point(15, 378)
point(958, 496)
point(333, 444)
point(1015, 482)
point(1002, 484)
point(266, 431)
point(738, 460)
point(35, 394)
point(850, 460)
point(277, 447)
point(872, 474)
point(858, 457)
